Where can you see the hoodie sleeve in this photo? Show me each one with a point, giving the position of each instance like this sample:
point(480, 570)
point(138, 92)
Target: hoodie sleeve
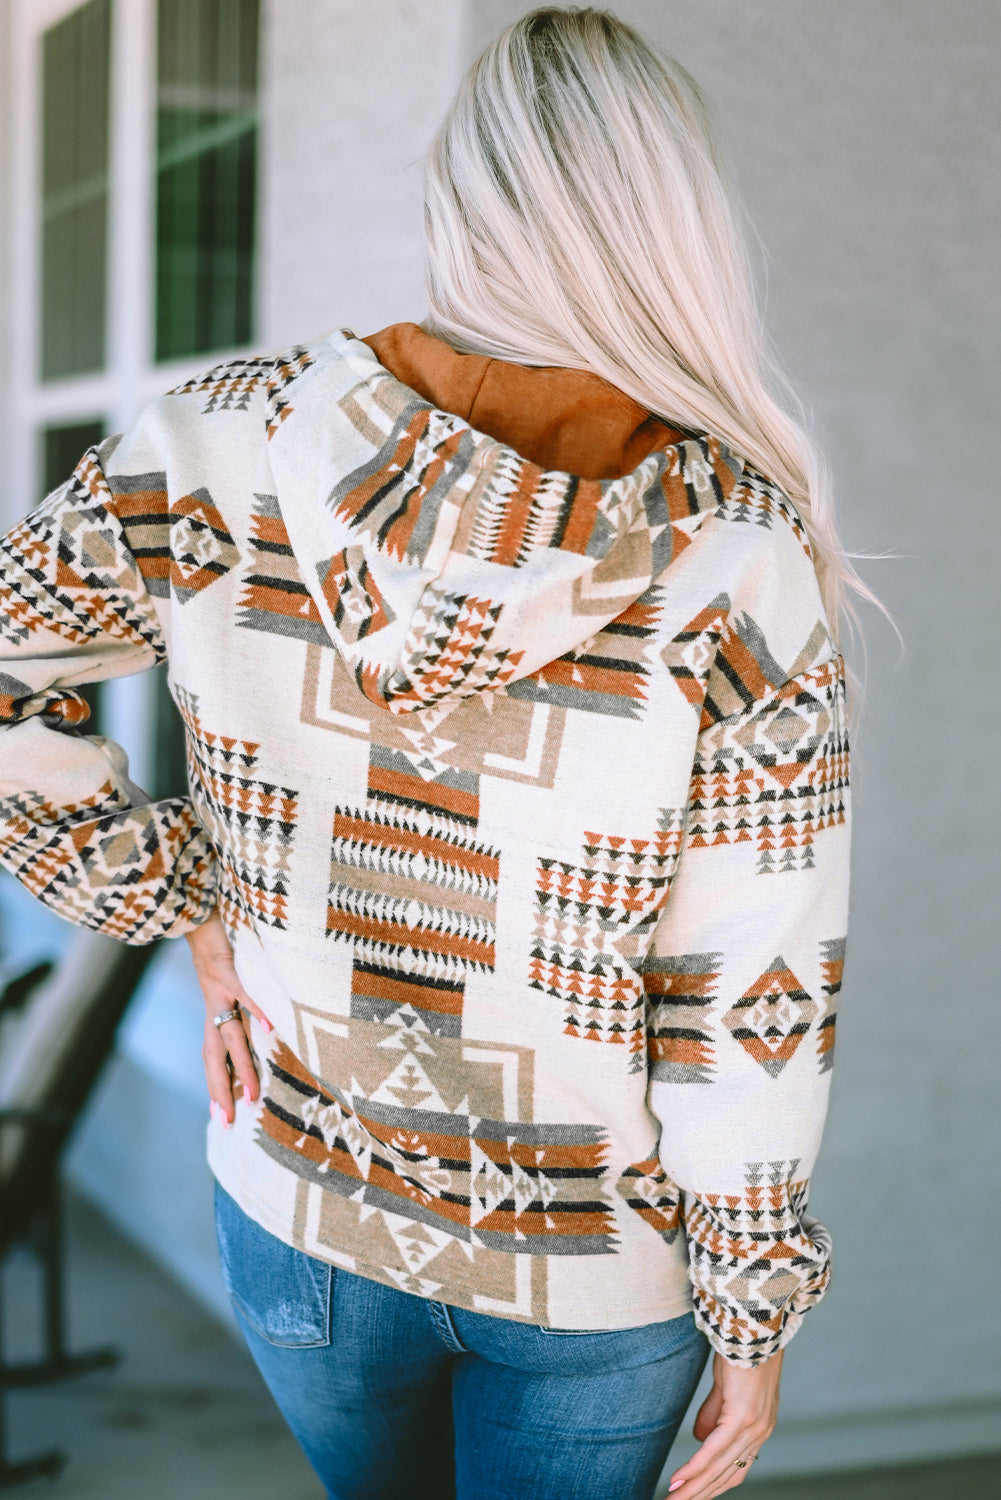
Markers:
point(741, 980)
point(74, 830)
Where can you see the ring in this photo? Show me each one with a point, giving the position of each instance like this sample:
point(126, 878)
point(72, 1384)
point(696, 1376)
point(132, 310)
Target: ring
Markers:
point(740, 1463)
point(224, 1016)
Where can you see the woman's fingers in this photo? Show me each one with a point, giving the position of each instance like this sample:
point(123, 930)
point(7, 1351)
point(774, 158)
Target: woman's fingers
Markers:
point(217, 1074)
point(226, 977)
point(713, 1468)
point(226, 1054)
point(221, 986)
point(735, 1419)
point(212, 956)
point(235, 1041)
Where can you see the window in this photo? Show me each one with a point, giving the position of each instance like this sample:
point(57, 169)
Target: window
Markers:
point(206, 160)
point(135, 124)
point(62, 448)
point(74, 197)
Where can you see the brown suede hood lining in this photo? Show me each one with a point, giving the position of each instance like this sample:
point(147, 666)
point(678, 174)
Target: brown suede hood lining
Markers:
point(571, 420)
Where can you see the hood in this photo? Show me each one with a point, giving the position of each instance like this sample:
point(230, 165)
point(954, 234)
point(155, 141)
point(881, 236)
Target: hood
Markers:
point(559, 419)
point(463, 522)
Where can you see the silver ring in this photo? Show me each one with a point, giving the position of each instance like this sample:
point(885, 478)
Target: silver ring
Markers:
point(224, 1016)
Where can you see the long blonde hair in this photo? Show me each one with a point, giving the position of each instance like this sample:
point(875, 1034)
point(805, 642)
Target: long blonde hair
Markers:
point(576, 215)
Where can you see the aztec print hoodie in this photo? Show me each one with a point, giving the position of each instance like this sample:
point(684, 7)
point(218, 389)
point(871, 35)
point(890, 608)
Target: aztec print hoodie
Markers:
point(518, 773)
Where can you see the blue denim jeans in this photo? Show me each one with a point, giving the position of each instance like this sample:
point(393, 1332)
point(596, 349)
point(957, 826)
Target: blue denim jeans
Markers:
point(393, 1396)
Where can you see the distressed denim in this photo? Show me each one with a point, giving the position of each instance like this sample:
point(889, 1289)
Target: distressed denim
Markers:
point(392, 1395)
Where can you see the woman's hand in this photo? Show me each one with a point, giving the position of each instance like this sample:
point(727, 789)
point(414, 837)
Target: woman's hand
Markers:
point(734, 1420)
point(225, 1050)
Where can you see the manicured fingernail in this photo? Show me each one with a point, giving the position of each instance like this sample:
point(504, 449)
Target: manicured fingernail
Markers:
point(676, 1485)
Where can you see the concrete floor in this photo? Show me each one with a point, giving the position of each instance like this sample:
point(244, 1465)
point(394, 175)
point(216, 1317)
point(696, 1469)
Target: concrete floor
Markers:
point(186, 1417)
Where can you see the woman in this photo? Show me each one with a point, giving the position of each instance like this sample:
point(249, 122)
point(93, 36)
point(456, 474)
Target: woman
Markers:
point(515, 863)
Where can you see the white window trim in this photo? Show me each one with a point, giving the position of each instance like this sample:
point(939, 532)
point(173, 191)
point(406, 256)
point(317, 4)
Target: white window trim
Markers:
point(131, 377)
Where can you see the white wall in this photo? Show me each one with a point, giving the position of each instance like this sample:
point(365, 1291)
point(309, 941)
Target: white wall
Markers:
point(353, 95)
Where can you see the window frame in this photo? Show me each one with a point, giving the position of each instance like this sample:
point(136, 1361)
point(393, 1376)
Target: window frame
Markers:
point(132, 377)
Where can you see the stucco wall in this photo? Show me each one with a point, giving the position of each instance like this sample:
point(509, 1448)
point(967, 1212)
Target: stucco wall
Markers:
point(352, 94)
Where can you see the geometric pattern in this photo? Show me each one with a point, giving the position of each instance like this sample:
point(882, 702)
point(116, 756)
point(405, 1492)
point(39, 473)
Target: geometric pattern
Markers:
point(396, 1142)
point(133, 873)
point(504, 738)
point(396, 498)
point(779, 779)
point(274, 597)
point(745, 668)
point(608, 674)
point(55, 707)
point(394, 501)
point(437, 1122)
point(772, 1017)
point(592, 923)
point(649, 1192)
point(201, 547)
point(142, 505)
point(252, 822)
point(832, 964)
point(524, 509)
point(187, 544)
point(281, 373)
point(758, 1262)
point(413, 891)
point(757, 501)
point(680, 992)
point(66, 568)
point(229, 386)
point(353, 595)
point(690, 655)
point(104, 864)
point(449, 651)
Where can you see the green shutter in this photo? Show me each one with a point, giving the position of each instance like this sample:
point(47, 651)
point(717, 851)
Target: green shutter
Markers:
point(74, 228)
point(206, 174)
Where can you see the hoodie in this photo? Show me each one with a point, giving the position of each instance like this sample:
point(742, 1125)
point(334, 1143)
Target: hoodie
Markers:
point(517, 771)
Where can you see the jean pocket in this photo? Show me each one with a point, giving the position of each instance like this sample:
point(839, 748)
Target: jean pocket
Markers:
point(282, 1293)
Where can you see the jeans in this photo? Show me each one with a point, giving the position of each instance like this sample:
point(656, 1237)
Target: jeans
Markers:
point(393, 1395)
